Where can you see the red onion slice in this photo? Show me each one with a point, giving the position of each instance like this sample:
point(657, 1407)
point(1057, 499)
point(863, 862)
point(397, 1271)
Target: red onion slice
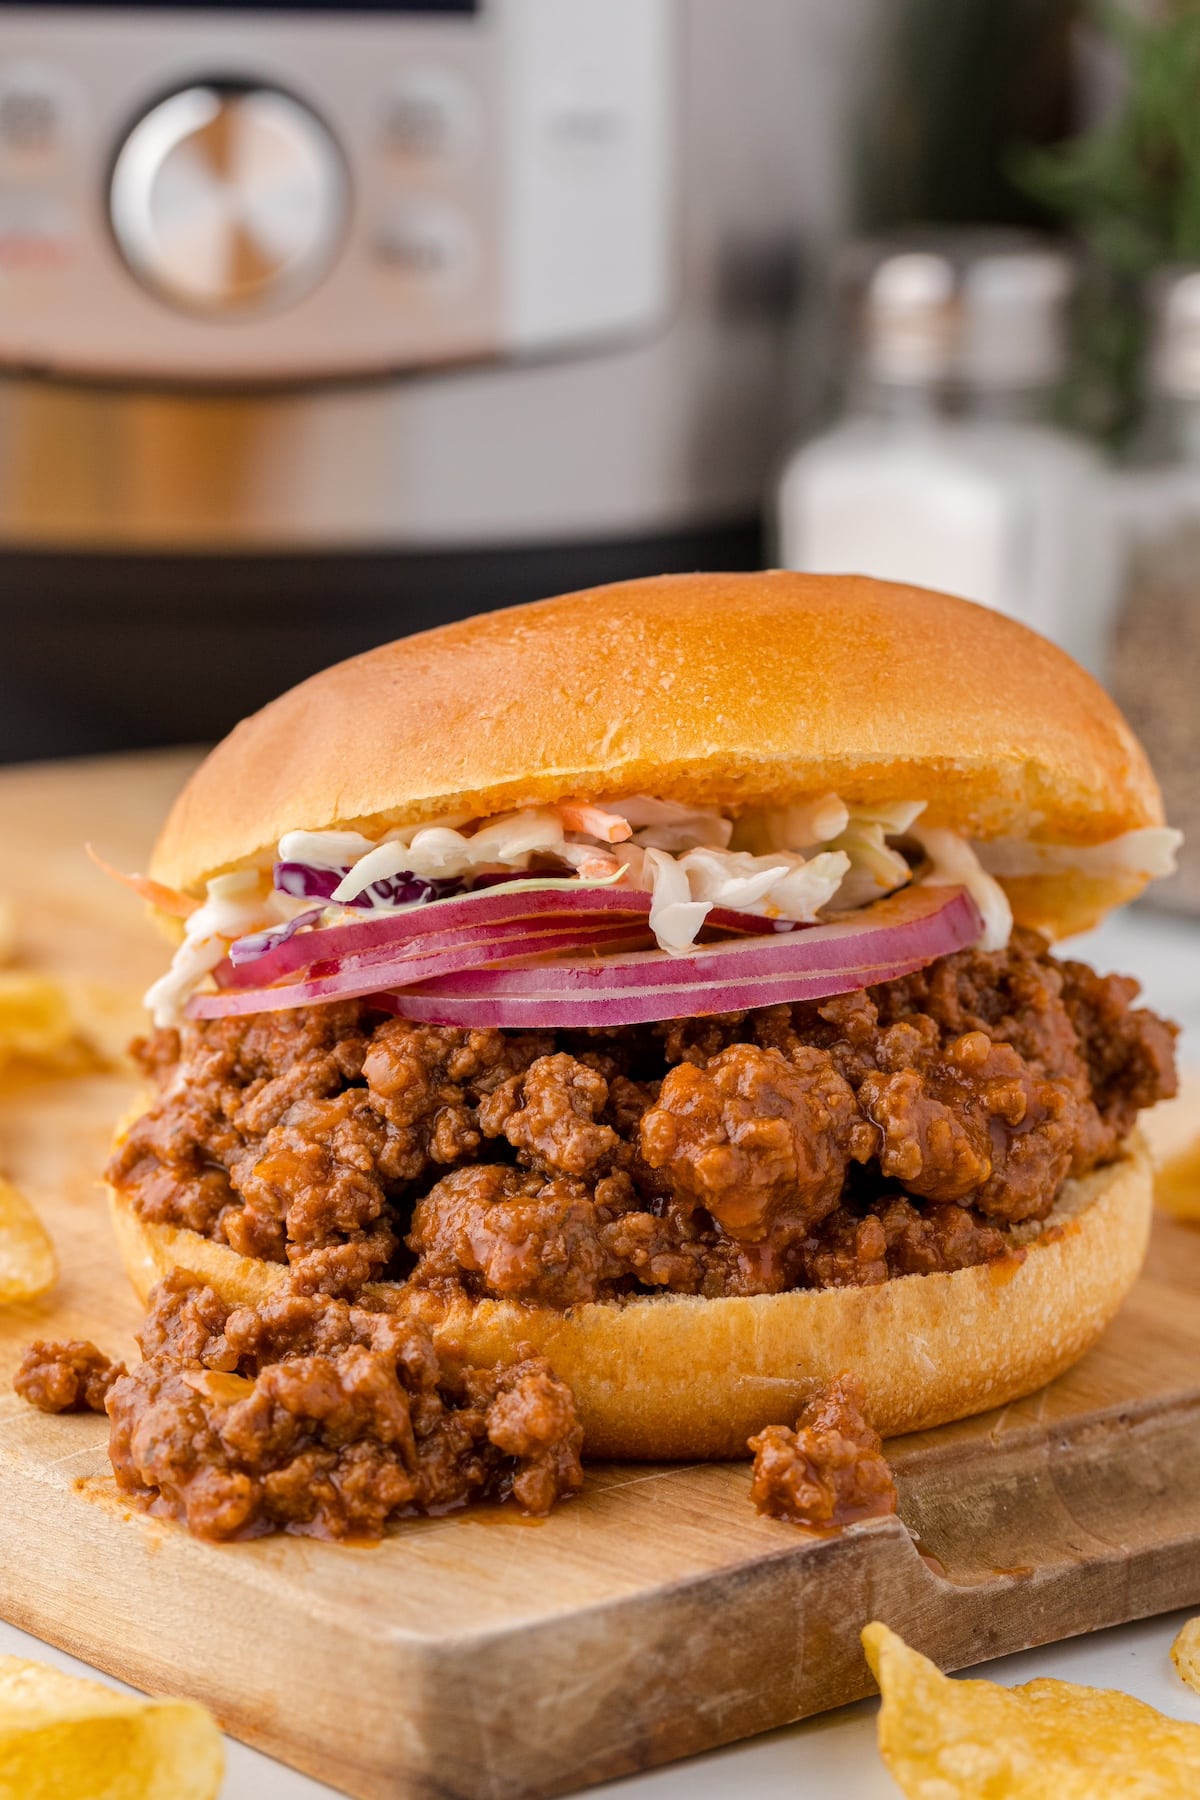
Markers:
point(390, 960)
point(631, 1007)
point(484, 908)
point(462, 982)
point(356, 978)
point(894, 937)
point(537, 935)
point(458, 920)
point(918, 925)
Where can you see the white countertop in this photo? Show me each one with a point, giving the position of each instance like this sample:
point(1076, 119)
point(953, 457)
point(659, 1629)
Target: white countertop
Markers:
point(835, 1753)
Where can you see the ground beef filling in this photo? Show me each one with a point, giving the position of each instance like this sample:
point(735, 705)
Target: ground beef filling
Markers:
point(311, 1416)
point(830, 1471)
point(893, 1131)
point(66, 1377)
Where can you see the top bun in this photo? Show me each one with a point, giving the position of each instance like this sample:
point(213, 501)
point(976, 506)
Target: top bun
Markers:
point(734, 690)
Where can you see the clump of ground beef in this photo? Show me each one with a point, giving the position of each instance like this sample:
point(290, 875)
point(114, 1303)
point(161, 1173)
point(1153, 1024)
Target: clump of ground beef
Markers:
point(898, 1130)
point(66, 1377)
point(830, 1471)
point(313, 1416)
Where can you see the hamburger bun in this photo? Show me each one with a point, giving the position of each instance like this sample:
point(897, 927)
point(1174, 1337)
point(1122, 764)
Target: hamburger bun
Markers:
point(663, 1377)
point(730, 690)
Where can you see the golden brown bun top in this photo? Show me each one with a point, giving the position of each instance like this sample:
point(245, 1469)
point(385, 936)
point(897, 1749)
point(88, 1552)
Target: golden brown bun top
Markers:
point(739, 690)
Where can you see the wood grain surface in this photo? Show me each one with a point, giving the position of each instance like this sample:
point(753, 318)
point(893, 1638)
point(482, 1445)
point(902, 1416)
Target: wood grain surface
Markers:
point(657, 1615)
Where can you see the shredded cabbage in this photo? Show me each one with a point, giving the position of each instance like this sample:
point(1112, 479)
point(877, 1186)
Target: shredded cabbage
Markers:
point(896, 816)
point(323, 849)
point(194, 959)
point(439, 851)
point(672, 826)
point(874, 867)
point(234, 906)
point(675, 918)
point(955, 864)
point(685, 889)
point(532, 884)
point(783, 885)
point(795, 827)
point(1149, 852)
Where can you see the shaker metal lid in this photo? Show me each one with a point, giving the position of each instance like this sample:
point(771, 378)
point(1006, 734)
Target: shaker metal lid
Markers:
point(1175, 337)
point(983, 308)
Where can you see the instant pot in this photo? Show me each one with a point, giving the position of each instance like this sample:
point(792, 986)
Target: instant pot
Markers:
point(322, 324)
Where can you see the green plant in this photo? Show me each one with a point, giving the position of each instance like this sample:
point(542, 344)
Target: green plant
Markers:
point(1130, 189)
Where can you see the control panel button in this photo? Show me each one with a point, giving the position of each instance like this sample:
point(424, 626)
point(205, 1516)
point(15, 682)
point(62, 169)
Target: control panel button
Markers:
point(429, 115)
point(428, 244)
point(36, 111)
point(28, 121)
point(227, 198)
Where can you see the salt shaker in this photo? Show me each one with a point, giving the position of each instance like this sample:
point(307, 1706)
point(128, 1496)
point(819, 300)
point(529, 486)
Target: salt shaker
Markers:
point(945, 468)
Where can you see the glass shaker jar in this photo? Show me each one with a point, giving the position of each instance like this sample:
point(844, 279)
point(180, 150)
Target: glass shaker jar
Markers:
point(945, 467)
point(1155, 658)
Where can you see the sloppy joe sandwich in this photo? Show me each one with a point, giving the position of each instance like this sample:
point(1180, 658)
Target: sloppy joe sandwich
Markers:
point(659, 977)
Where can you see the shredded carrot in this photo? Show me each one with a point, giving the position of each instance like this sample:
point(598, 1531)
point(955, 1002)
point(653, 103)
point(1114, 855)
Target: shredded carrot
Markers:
point(167, 899)
point(593, 821)
point(596, 868)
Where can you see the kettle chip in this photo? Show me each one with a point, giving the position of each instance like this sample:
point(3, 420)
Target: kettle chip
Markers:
point(946, 1739)
point(1185, 1653)
point(35, 1018)
point(63, 1738)
point(52, 1026)
point(28, 1264)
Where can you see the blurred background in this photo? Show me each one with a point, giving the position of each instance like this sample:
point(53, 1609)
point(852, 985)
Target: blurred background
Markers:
point(322, 324)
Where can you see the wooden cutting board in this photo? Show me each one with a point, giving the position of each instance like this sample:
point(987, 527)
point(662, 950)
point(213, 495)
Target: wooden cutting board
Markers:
point(655, 1616)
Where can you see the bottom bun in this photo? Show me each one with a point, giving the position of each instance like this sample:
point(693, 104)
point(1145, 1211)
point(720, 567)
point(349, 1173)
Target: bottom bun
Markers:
point(671, 1376)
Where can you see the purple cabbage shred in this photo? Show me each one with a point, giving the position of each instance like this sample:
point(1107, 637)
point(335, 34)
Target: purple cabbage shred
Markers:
point(305, 882)
point(258, 943)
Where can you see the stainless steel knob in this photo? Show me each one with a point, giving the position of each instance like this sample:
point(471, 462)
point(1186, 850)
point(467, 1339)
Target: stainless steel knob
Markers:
point(225, 199)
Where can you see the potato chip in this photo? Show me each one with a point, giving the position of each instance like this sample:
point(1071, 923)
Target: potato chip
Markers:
point(65, 1025)
point(28, 1265)
point(1048, 1740)
point(1185, 1653)
point(69, 1027)
point(35, 1016)
point(62, 1738)
point(1177, 1183)
point(106, 1019)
